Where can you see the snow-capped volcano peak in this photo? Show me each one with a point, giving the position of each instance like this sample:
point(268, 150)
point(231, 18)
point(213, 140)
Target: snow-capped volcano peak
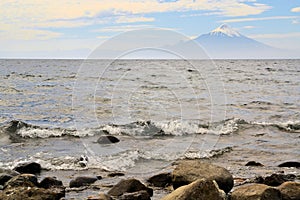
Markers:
point(226, 30)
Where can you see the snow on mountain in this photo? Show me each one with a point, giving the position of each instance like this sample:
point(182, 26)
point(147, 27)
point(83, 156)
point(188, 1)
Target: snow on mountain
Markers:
point(224, 29)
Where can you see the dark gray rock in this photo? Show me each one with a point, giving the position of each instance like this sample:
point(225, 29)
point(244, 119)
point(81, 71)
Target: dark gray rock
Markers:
point(113, 174)
point(254, 164)
point(256, 192)
point(201, 189)
point(278, 179)
point(290, 164)
point(107, 139)
point(161, 180)
point(128, 186)
point(28, 168)
point(49, 182)
point(82, 181)
point(188, 171)
point(4, 178)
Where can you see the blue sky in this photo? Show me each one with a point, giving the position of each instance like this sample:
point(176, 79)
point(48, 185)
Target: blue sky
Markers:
point(73, 28)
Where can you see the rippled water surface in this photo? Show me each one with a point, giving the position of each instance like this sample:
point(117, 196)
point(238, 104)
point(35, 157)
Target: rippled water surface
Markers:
point(231, 111)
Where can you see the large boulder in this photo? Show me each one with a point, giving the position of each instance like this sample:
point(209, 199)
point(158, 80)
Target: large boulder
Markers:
point(188, 171)
point(161, 180)
point(32, 193)
point(290, 164)
point(256, 192)
point(22, 180)
point(82, 181)
point(278, 179)
point(128, 186)
point(201, 189)
point(290, 191)
point(28, 168)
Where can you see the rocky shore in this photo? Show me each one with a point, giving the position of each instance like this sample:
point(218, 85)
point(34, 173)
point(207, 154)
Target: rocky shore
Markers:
point(188, 180)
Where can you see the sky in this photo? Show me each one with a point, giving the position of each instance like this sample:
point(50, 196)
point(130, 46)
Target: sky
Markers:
point(74, 28)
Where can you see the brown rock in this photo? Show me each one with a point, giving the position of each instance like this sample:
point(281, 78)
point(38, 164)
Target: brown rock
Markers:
point(101, 196)
point(129, 186)
point(22, 180)
point(32, 193)
point(189, 171)
point(201, 189)
point(140, 195)
point(290, 191)
point(256, 192)
point(254, 164)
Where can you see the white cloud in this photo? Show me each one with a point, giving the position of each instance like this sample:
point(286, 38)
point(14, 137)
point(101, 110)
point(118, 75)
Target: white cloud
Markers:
point(125, 19)
point(248, 27)
point(258, 19)
point(297, 9)
point(121, 28)
point(276, 35)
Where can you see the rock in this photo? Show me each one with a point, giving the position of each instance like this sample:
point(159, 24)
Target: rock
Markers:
point(161, 180)
point(128, 186)
point(290, 191)
point(113, 174)
point(49, 182)
point(82, 181)
point(32, 193)
point(201, 189)
point(278, 179)
point(256, 192)
point(189, 171)
point(107, 139)
point(28, 168)
point(101, 196)
point(140, 195)
point(22, 180)
point(253, 163)
point(4, 178)
point(290, 164)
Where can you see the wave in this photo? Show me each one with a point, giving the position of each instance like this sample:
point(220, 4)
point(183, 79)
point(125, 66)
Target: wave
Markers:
point(18, 130)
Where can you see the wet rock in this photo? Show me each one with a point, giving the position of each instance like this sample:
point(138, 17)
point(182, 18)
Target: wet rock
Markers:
point(256, 192)
point(101, 196)
point(161, 180)
point(82, 181)
point(140, 195)
point(4, 178)
point(129, 186)
point(113, 174)
point(201, 189)
point(32, 193)
point(253, 163)
point(189, 171)
point(49, 182)
point(290, 191)
point(278, 179)
point(28, 168)
point(290, 164)
point(22, 180)
point(107, 139)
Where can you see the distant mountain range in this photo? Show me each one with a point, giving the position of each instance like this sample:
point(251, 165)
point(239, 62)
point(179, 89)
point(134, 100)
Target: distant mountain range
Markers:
point(225, 42)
